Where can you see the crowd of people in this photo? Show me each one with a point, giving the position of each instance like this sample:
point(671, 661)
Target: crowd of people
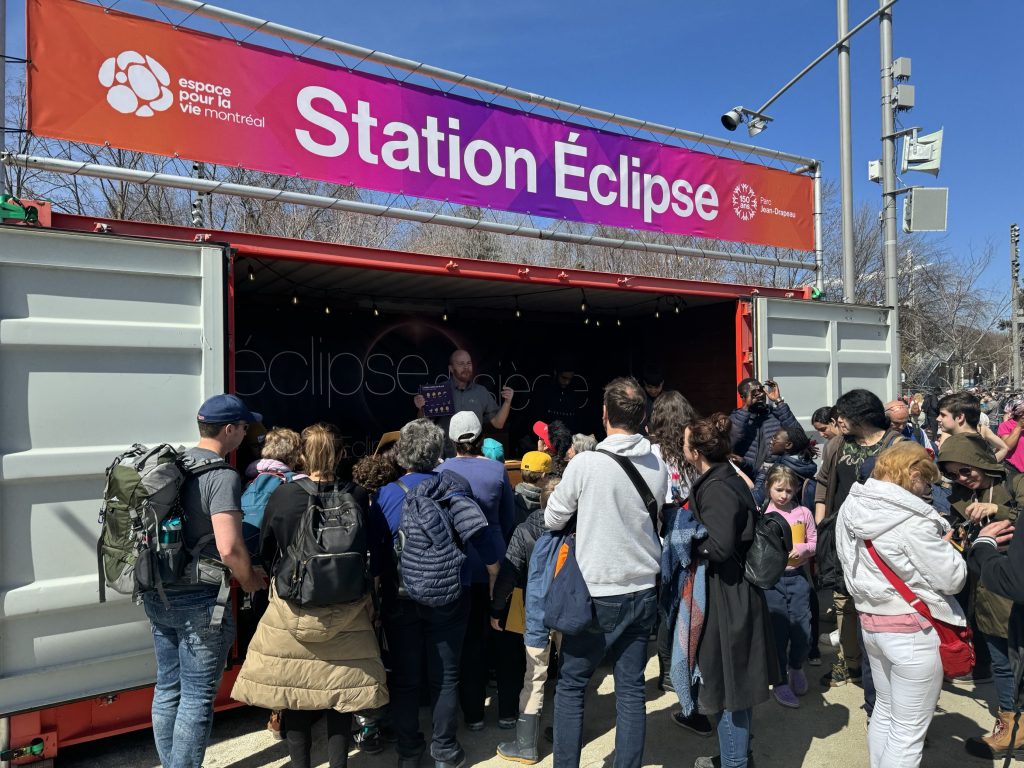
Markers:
point(899, 522)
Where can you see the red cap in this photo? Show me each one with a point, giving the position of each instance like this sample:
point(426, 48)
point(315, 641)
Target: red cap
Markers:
point(540, 429)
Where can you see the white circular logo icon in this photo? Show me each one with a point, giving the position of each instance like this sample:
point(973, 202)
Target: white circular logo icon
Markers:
point(136, 84)
point(744, 202)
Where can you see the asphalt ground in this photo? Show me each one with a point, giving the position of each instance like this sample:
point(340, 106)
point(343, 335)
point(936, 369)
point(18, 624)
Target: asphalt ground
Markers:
point(829, 729)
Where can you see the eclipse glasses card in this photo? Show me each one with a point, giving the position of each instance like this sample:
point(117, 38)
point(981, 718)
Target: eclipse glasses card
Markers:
point(438, 399)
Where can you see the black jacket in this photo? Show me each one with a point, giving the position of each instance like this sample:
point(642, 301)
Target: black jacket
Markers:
point(736, 655)
point(516, 566)
point(1003, 574)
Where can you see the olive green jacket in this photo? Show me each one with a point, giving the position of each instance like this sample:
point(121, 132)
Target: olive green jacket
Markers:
point(991, 611)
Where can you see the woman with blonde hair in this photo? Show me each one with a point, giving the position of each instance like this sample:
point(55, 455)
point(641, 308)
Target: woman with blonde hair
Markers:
point(313, 662)
point(889, 514)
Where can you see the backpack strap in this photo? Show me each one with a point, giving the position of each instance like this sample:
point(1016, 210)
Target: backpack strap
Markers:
point(309, 485)
point(403, 486)
point(639, 483)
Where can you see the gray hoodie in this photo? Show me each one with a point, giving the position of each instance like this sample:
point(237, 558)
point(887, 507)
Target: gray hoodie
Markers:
point(617, 547)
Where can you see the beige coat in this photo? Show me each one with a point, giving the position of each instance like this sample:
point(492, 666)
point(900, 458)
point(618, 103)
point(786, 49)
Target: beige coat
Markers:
point(313, 659)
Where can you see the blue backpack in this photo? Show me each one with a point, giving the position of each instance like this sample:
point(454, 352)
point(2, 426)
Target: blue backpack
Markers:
point(254, 503)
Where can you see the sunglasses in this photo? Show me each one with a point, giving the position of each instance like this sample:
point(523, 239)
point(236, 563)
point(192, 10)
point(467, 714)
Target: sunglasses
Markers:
point(963, 473)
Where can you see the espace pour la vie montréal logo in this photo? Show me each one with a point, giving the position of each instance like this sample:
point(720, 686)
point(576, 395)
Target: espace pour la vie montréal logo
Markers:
point(136, 84)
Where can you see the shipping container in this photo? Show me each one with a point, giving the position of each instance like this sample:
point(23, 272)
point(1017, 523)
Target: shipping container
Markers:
point(113, 332)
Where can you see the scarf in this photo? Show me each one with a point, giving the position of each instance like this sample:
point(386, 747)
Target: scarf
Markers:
point(683, 600)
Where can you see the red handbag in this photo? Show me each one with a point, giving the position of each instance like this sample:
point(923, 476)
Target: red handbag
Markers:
point(955, 647)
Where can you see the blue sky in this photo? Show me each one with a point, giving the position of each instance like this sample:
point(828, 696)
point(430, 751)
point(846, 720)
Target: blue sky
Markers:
point(684, 63)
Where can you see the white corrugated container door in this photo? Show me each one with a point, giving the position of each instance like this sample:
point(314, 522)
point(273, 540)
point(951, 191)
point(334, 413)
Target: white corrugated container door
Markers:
point(104, 342)
point(817, 351)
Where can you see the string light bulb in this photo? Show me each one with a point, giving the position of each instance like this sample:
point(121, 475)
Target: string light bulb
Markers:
point(657, 313)
point(252, 274)
point(583, 301)
point(295, 298)
point(519, 312)
point(327, 309)
point(618, 321)
point(597, 322)
point(677, 310)
point(376, 310)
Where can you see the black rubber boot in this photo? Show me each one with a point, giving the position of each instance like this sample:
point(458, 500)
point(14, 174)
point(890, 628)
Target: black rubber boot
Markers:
point(524, 748)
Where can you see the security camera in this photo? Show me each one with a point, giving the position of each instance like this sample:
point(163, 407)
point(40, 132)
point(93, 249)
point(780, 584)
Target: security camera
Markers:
point(732, 119)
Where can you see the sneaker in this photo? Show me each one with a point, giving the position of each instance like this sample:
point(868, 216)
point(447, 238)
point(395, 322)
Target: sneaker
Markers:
point(695, 723)
point(814, 661)
point(830, 640)
point(477, 726)
point(274, 725)
point(798, 681)
point(367, 739)
point(716, 761)
point(785, 696)
point(836, 677)
point(457, 761)
point(508, 723)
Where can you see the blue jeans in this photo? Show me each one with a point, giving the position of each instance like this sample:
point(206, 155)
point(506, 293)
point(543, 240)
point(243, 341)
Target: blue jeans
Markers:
point(622, 624)
point(734, 737)
point(190, 659)
point(1002, 674)
point(412, 629)
point(789, 605)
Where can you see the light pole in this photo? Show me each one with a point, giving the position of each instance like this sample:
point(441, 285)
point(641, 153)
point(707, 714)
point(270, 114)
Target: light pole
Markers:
point(757, 121)
point(1015, 305)
point(845, 154)
point(889, 183)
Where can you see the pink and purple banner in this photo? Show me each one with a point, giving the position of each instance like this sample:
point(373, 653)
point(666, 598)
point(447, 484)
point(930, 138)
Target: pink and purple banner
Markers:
point(112, 78)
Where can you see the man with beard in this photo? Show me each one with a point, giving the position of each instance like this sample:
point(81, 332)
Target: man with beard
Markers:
point(764, 413)
point(467, 395)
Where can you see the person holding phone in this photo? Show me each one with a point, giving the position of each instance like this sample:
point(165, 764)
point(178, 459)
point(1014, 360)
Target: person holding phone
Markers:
point(981, 495)
point(763, 413)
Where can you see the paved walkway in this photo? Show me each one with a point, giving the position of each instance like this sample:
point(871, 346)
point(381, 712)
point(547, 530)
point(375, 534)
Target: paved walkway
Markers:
point(827, 730)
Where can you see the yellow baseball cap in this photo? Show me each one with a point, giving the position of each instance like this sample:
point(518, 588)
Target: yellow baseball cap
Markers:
point(536, 461)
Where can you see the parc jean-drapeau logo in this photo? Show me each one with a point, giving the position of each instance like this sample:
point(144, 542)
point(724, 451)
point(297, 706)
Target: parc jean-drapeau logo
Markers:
point(136, 84)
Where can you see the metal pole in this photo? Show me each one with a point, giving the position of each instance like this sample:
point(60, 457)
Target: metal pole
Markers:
point(3, 86)
point(360, 54)
point(889, 191)
point(819, 251)
point(209, 186)
point(846, 155)
point(1014, 307)
point(843, 37)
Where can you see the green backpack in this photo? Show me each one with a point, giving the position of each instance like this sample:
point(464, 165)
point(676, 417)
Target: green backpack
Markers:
point(140, 547)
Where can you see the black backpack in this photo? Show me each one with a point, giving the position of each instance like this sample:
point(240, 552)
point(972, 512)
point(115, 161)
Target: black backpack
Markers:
point(326, 562)
point(768, 555)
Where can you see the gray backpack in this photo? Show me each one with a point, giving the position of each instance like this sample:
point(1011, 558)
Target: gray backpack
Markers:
point(140, 547)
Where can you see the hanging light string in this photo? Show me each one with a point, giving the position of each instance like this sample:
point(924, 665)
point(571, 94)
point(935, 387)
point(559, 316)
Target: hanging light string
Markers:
point(447, 305)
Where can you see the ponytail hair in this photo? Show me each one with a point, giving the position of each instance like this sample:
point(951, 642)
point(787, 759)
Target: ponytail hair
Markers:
point(712, 437)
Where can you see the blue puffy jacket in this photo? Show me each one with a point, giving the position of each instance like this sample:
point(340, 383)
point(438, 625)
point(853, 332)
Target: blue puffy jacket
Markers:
point(439, 517)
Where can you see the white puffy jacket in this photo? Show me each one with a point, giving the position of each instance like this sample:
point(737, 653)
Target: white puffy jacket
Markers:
point(907, 534)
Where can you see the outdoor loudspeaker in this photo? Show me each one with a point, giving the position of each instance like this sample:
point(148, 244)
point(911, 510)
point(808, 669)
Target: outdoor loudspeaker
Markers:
point(925, 209)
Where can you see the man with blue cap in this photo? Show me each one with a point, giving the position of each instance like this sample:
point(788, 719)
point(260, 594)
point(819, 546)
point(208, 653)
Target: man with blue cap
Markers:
point(192, 631)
